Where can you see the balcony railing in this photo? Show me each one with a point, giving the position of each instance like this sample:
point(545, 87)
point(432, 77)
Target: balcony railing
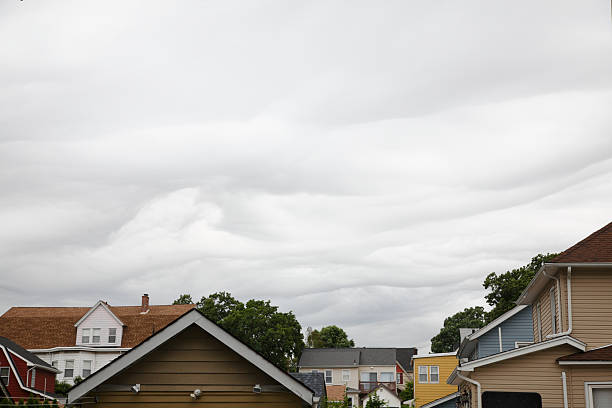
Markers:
point(367, 386)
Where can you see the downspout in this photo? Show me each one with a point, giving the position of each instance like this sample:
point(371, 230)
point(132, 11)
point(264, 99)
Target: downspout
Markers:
point(558, 285)
point(564, 380)
point(569, 306)
point(501, 348)
point(476, 383)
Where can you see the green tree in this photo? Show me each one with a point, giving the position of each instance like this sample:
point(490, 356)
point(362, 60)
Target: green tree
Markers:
point(375, 401)
point(62, 387)
point(329, 337)
point(183, 300)
point(408, 392)
point(448, 338)
point(505, 288)
point(275, 335)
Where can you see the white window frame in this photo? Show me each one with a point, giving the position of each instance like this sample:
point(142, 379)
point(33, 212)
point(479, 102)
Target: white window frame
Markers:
point(431, 373)
point(553, 310)
point(66, 368)
point(8, 374)
point(346, 375)
point(588, 390)
point(93, 335)
point(83, 368)
point(426, 374)
point(114, 335)
point(331, 376)
point(86, 334)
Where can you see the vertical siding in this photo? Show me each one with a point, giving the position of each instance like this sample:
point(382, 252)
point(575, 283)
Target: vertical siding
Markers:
point(100, 319)
point(194, 359)
point(424, 393)
point(517, 328)
point(592, 307)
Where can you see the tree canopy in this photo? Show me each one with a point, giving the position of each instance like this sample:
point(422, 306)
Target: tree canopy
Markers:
point(329, 337)
point(448, 338)
point(275, 335)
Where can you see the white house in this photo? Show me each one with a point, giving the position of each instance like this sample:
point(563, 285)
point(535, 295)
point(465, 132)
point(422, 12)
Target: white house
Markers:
point(80, 340)
point(386, 394)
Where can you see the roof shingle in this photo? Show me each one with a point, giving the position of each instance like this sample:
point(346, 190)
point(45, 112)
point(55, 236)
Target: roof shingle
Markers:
point(597, 247)
point(600, 354)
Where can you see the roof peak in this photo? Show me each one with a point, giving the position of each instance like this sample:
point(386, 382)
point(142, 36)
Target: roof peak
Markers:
point(597, 247)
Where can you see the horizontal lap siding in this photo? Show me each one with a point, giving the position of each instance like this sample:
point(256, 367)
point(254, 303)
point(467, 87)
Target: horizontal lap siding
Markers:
point(577, 376)
point(537, 372)
point(194, 359)
point(592, 307)
point(517, 328)
point(423, 392)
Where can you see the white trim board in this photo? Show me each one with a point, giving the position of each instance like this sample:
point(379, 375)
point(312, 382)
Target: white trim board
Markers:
point(588, 386)
point(31, 364)
point(80, 348)
point(90, 311)
point(439, 401)
point(584, 362)
point(191, 317)
point(559, 341)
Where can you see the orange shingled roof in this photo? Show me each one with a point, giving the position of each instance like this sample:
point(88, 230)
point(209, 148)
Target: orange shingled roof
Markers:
point(335, 392)
point(47, 327)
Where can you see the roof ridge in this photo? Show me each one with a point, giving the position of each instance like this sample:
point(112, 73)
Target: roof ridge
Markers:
point(581, 243)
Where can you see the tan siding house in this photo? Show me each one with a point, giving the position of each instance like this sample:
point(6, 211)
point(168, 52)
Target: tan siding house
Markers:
point(570, 363)
point(192, 354)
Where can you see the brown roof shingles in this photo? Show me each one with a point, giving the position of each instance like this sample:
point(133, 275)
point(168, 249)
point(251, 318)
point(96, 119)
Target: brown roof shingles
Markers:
point(335, 392)
point(47, 327)
point(600, 354)
point(597, 247)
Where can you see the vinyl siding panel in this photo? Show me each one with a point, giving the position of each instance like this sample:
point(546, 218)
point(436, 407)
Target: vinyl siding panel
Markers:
point(537, 372)
point(544, 302)
point(578, 375)
point(424, 393)
point(592, 307)
point(517, 328)
point(99, 319)
point(194, 359)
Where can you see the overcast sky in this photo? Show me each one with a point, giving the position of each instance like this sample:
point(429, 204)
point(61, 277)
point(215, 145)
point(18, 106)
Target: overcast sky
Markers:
point(364, 164)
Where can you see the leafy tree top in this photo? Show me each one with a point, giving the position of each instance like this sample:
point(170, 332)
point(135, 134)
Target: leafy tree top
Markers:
point(329, 337)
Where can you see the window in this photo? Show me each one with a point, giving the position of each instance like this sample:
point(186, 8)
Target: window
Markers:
point(400, 378)
point(434, 374)
point(387, 377)
point(5, 374)
point(95, 335)
point(350, 401)
point(423, 377)
point(33, 378)
point(85, 335)
point(553, 310)
point(86, 368)
point(328, 376)
point(69, 369)
point(598, 394)
point(346, 375)
point(112, 335)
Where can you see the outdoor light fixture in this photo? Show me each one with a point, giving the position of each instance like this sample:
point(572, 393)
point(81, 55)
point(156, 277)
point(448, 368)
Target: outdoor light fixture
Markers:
point(135, 388)
point(196, 394)
point(257, 389)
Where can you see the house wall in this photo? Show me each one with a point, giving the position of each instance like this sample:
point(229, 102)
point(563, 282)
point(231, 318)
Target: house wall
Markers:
point(391, 399)
point(100, 318)
point(99, 360)
point(194, 359)
point(424, 393)
point(517, 328)
point(578, 375)
point(536, 372)
point(543, 300)
point(377, 370)
point(13, 385)
point(337, 375)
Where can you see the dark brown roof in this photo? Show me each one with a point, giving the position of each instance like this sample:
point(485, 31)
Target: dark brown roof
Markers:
point(46, 327)
point(597, 247)
point(600, 354)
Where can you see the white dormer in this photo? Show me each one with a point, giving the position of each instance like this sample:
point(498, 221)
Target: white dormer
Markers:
point(99, 327)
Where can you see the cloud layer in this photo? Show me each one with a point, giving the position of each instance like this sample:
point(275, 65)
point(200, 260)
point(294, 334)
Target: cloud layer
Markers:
point(360, 165)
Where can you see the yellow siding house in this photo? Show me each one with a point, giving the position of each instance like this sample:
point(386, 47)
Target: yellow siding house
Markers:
point(430, 374)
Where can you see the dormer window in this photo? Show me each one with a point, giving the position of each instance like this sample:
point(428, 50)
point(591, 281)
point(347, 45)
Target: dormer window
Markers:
point(85, 336)
point(112, 335)
point(95, 336)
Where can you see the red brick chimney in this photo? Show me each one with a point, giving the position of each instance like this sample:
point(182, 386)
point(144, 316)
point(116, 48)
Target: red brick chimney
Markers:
point(144, 308)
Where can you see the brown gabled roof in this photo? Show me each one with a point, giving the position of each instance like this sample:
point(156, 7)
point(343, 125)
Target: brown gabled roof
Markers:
point(597, 247)
point(47, 327)
point(599, 354)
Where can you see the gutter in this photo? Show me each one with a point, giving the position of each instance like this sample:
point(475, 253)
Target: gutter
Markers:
point(569, 307)
point(474, 382)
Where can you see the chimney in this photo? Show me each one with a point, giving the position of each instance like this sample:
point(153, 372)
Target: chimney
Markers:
point(144, 308)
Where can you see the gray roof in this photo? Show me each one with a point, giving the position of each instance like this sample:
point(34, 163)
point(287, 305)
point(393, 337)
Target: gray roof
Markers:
point(350, 357)
point(314, 381)
point(25, 354)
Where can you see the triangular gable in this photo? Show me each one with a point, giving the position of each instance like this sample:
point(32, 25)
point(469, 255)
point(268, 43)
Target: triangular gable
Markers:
point(18, 376)
point(102, 304)
point(179, 325)
point(596, 248)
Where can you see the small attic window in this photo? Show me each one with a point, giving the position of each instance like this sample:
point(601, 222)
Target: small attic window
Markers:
point(85, 335)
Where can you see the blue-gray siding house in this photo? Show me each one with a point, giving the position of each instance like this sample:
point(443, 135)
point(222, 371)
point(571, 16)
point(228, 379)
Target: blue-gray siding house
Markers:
point(509, 331)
